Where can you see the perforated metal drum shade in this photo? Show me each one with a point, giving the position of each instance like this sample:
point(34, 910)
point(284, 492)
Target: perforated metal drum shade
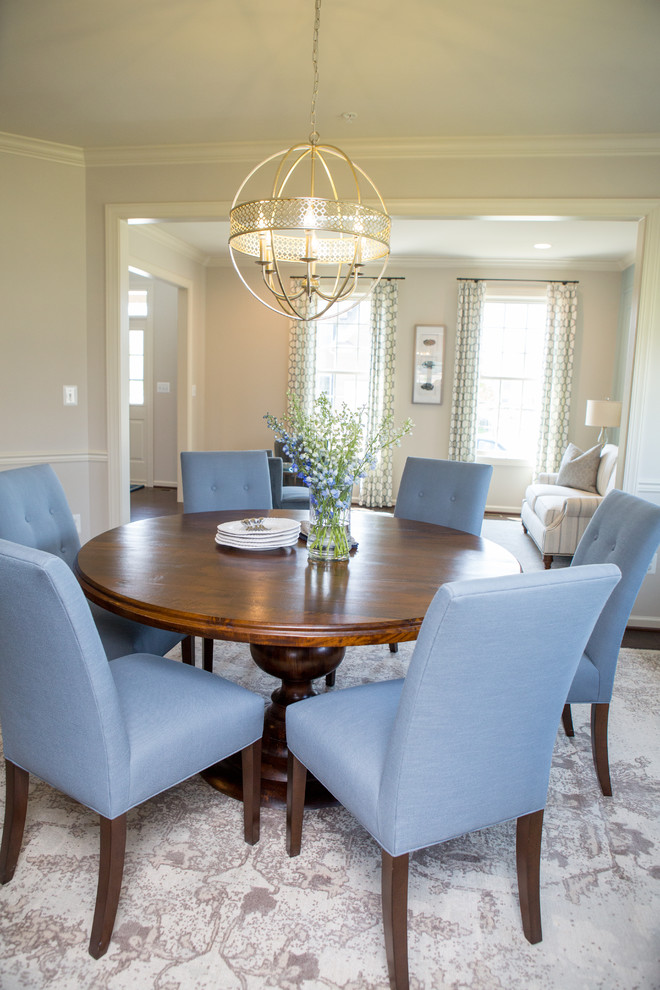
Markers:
point(313, 215)
point(336, 226)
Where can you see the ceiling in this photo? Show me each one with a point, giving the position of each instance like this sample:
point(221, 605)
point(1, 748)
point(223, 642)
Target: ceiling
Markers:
point(119, 73)
point(168, 72)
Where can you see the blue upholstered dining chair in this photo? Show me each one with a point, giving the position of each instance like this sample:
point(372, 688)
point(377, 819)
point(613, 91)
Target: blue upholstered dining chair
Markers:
point(34, 511)
point(425, 759)
point(109, 735)
point(624, 530)
point(286, 496)
point(446, 493)
point(224, 480)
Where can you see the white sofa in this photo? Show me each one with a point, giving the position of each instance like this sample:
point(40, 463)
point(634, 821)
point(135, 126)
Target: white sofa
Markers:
point(556, 516)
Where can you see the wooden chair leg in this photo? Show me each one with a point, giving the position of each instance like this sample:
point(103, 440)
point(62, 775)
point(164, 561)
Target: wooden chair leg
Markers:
point(296, 780)
point(528, 859)
point(16, 799)
point(547, 561)
point(188, 650)
point(111, 869)
point(394, 886)
point(567, 720)
point(251, 763)
point(599, 717)
point(394, 647)
point(207, 655)
point(330, 678)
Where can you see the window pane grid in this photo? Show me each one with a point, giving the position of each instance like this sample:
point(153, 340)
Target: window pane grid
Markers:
point(343, 356)
point(136, 367)
point(510, 377)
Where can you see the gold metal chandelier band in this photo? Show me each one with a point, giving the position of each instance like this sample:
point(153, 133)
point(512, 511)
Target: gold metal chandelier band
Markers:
point(278, 219)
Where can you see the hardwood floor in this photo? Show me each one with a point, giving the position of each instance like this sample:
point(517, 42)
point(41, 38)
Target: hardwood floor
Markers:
point(146, 502)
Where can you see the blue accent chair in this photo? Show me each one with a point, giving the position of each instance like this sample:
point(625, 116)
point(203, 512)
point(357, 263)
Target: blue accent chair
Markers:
point(34, 512)
point(433, 760)
point(624, 530)
point(223, 480)
point(110, 735)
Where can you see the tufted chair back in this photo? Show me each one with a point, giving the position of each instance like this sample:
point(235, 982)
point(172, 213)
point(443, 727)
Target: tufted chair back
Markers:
point(447, 493)
point(624, 530)
point(34, 512)
point(225, 479)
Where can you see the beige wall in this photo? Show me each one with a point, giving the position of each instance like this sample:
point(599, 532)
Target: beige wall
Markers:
point(54, 301)
point(43, 333)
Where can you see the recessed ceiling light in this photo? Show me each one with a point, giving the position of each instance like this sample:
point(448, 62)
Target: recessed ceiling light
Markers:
point(542, 247)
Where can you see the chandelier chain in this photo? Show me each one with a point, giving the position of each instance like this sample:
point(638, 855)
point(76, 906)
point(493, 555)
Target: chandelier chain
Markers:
point(314, 135)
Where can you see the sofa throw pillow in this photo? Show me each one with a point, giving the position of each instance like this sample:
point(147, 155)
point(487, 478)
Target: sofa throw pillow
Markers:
point(579, 469)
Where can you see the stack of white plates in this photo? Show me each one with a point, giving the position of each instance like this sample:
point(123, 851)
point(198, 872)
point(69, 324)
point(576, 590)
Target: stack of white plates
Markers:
point(270, 533)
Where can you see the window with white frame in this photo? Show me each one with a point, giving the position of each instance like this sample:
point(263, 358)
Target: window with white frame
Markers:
point(137, 312)
point(343, 354)
point(510, 371)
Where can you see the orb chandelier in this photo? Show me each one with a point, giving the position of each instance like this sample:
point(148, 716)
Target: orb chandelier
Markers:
point(321, 224)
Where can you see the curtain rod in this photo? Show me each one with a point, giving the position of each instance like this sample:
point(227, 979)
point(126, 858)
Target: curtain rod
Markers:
point(542, 281)
point(385, 278)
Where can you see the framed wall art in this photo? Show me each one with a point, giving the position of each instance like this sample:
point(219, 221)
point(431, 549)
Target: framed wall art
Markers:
point(429, 358)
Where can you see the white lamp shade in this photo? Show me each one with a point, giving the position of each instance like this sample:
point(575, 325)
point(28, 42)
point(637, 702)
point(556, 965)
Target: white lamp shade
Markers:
point(603, 412)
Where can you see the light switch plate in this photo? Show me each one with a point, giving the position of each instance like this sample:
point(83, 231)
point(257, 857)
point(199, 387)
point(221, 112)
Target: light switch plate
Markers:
point(70, 395)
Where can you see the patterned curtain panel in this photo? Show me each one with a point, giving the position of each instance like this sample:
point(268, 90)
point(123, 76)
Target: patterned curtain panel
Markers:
point(376, 488)
point(302, 358)
point(557, 374)
point(463, 424)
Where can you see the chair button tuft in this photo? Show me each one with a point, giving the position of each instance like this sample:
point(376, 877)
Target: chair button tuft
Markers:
point(214, 488)
point(246, 488)
point(420, 494)
point(27, 519)
point(452, 498)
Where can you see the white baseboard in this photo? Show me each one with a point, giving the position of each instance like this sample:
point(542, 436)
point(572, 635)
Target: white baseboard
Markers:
point(643, 622)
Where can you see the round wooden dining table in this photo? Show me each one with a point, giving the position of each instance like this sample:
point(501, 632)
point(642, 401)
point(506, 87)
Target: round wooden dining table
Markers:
point(297, 615)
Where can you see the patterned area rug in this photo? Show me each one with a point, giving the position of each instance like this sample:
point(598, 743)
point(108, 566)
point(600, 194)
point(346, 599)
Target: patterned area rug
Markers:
point(200, 909)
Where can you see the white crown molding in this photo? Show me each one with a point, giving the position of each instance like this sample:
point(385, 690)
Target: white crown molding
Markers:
point(534, 146)
point(492, 264)
point(64, 154)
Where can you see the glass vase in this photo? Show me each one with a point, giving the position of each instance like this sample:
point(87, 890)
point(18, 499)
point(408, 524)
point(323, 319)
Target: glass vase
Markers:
point(329, 529)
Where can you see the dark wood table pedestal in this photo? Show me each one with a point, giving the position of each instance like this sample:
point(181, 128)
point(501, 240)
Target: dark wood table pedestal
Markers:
point(296, 667)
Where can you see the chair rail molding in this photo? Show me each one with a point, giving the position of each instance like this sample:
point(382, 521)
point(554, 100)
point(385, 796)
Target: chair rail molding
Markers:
point(26, 458)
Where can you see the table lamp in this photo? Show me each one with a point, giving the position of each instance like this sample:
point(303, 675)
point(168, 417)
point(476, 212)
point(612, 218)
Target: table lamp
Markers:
point(603, 413)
